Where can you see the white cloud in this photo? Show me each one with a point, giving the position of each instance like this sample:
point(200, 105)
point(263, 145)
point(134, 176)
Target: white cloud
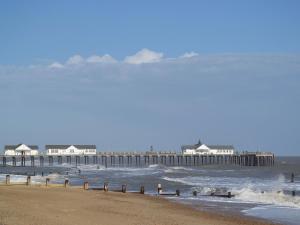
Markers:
point(56, 65)
point(101, 59)
point(189, 54)
point(74, 60)
point(144, 56)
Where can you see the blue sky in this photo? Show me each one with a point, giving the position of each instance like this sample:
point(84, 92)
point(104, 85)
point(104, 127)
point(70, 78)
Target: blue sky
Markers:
point(130, 74)
point(35, 30)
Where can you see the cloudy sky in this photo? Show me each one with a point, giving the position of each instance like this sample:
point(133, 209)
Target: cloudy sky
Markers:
point(125, 76)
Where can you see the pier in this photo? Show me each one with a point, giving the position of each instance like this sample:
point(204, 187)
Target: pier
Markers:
point(129, 159)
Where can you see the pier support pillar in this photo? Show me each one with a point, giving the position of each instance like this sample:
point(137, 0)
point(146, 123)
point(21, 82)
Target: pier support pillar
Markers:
point(86, 160)
point(59, 160)
point(23, 161)
point(50, 159)
point(41, 161)
point(77, 160)
point(95, 159)
point(32, 161)
point(4, 161)
point(69, 160)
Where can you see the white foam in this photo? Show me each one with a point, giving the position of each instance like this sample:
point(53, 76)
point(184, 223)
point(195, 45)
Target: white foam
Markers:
point(246, 190)
point(285, 215)
point(38, 179)
point(267, 197)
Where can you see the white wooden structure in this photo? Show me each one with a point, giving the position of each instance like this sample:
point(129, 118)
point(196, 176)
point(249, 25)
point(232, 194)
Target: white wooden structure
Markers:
point(21, 149)
point(71, 149)
point(203, 149)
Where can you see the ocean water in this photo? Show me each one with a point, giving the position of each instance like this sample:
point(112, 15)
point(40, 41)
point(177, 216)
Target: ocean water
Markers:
point(262, 192)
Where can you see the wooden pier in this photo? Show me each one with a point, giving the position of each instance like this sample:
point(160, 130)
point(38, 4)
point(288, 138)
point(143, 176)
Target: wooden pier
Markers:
point(127, 159)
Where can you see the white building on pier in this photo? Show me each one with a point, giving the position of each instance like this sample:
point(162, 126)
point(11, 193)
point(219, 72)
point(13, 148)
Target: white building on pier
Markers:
point(21, 149)
point(71, 149)
point(203, 149)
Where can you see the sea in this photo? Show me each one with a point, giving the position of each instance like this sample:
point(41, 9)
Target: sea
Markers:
point(261, 192)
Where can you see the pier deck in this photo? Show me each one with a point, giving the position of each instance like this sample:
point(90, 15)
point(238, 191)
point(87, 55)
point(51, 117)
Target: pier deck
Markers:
point(128, 159)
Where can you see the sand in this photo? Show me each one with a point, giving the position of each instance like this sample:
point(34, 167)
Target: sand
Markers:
point(23, 205)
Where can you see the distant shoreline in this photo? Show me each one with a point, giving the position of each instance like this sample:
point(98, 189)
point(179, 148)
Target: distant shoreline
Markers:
point(23, 205)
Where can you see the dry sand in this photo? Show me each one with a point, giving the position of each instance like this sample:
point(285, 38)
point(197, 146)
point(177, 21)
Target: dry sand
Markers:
point(22, 205)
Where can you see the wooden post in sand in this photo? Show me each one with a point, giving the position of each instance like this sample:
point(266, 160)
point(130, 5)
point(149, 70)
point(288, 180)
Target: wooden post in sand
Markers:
point(47, 181)
point(66, 182)
point(28, 182)
point(105, 187)
point(194, 193)
point(177, 192)
point(85, 185)
point(229, 194)
point(124, 188)
point(142, 190)
point(7, 181)
point(159, 189)
point(293, 193)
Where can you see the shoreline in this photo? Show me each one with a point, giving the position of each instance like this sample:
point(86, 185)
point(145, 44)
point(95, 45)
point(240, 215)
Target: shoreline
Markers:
point(22, 205)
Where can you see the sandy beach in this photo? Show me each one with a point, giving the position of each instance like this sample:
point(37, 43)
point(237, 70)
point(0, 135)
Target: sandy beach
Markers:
point(22, 205)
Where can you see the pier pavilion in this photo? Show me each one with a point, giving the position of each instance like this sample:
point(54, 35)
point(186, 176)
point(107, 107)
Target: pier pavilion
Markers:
point(204, 149)
point(21, 149)
point(70, 149)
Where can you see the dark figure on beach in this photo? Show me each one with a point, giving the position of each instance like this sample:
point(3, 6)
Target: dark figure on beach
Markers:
point(292, 178)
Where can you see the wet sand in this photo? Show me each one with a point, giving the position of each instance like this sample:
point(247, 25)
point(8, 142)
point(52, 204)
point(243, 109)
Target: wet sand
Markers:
point(23, 205)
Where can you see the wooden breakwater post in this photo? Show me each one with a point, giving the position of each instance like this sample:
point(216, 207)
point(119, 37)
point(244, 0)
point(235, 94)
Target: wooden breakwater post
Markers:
point(229, 194)
point(7, 180)
point(28, 181)
point(293, 193)
point(177, 192)
point(47, 181)
point(105, 187)
point(66, 183)
point(85, 185)
point(142, 190)
point(159, 189)
point(195, 193)
point(124, 186)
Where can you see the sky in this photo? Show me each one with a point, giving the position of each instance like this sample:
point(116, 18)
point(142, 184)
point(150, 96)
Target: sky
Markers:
point(125, 75)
